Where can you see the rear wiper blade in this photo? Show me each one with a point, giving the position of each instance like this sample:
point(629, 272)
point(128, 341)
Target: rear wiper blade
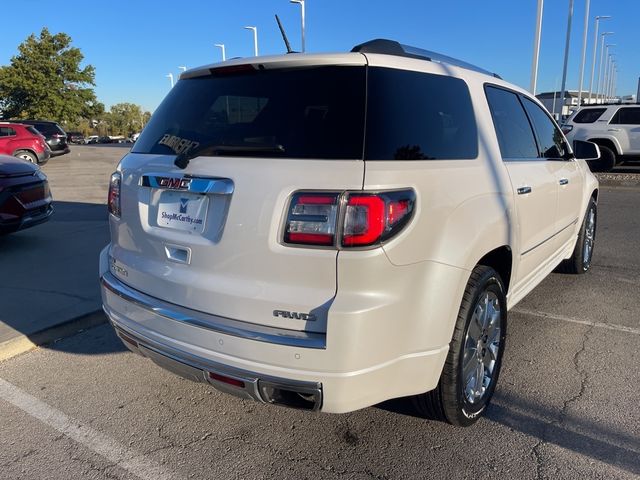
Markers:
point(182, 160)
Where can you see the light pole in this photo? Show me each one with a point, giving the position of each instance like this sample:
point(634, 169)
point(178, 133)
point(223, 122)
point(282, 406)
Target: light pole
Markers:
point(536, 48)
point(255, 39)
point(170, 77)
point(595, 49)
point(566, 59)
point(584, 50)
point(612, 63)
point(605, 73)
point(301, 2)
point(602, 35)
point(184, 69)
point(224, 54)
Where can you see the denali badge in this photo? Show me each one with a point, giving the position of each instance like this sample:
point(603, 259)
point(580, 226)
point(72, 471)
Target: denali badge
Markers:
point(307, 317)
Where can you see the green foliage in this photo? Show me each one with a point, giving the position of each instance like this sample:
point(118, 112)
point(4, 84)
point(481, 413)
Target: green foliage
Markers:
point(125, 119)
point(45, 81)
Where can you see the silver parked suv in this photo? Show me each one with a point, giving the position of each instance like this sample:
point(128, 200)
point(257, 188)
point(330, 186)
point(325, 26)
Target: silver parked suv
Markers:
point(615, 128)
point(330, 231)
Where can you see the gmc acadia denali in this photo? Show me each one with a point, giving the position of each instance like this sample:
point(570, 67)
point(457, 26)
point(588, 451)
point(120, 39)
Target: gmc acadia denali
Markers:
point(327, 232)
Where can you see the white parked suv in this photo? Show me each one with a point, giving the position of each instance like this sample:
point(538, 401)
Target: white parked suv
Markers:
point(327, 232)
point(615, 128)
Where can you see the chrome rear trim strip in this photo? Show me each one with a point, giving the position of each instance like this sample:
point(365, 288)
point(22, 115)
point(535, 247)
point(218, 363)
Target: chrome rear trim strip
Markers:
point(227, 326)
point(186, 183)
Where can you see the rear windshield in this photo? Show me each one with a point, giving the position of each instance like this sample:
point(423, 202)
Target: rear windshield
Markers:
point(588, 115)
point(317, 113)
point(296, 113)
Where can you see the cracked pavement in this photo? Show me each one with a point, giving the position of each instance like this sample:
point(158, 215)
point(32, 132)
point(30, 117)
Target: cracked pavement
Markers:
point(565, 407)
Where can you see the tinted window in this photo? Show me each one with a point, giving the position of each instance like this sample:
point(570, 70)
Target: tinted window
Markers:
point(627, 116)
point(550, 139)
point(418, 116)
point(588, 115)
point(7, 132)
point(47, 129)
point(305, 113)
point(33, 131)
point(513, 129)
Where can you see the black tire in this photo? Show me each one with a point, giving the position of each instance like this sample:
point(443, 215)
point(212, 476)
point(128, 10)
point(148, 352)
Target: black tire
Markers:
point(606, 162)
point(26, 155)
point(450, 401)
point(580, 260)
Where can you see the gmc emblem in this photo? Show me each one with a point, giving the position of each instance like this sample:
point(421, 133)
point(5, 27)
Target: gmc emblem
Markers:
point(307, 317)
point(174, 183)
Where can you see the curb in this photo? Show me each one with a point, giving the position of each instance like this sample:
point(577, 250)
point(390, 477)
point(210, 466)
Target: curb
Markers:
point(618, 179)
point(24, 343)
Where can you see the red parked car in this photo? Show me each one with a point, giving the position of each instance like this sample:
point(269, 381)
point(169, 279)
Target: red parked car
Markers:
point(25, 198)
point(23, 141)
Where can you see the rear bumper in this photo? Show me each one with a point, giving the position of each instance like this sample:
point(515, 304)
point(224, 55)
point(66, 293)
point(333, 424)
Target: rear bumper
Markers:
point(365, 358)
point(43, 156)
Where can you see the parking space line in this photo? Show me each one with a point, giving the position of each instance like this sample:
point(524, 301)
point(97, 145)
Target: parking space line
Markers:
point(125, 458)
point(551, 316)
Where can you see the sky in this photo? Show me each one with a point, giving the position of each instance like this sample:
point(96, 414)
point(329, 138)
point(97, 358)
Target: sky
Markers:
point(134, 44)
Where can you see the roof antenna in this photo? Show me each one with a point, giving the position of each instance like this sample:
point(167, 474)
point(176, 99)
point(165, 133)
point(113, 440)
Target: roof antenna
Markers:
point(284, 35)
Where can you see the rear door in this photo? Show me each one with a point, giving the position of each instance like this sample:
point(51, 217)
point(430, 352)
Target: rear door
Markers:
point(533, 181)
point(209, 236)
point(626, 124)
point(567, 172)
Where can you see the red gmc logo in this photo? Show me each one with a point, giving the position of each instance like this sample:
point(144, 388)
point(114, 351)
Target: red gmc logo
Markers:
point(174, 183)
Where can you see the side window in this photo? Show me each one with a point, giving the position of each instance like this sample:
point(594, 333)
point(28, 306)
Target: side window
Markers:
point(588, 115)
point(550, 139)
point(7, 132)
point(418, 116)
point(626, 116)
point(513, 129)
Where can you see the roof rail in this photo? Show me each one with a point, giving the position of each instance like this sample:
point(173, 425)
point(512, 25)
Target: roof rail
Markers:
point(391, 47)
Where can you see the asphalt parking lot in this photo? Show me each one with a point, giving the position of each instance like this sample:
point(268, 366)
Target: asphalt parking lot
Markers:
point(565, 408)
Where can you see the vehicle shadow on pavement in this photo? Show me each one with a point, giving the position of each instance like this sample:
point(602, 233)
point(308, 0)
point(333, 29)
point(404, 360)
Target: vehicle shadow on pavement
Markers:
point(551, 426)
point(49, 274)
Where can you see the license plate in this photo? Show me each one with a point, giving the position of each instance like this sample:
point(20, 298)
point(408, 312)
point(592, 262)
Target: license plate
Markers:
point(182, 211)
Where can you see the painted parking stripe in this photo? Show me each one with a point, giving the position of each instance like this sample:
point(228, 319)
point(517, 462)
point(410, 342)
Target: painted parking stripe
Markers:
point(551, 316)
point(125, 458)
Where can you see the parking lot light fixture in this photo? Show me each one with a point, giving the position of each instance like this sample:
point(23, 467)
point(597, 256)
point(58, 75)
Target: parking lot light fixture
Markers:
point(255, 39)
point(170, 77)
point(602, 35)
point(221, 47)
point(595, 50)
point(301, 3)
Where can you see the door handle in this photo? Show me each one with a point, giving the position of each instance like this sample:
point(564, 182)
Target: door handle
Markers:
point(524, 190)
point(613, 130)
point(564, 181)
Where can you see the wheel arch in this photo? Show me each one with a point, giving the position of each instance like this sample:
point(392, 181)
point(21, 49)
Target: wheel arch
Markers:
point(501, 260)
point(607, 142)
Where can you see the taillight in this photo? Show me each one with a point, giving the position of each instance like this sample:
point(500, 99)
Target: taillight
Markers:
point(113, 202)
point(372, 218)
point(312, 219)
point(368, 219)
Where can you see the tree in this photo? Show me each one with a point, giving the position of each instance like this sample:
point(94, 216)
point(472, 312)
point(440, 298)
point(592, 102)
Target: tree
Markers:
point(125, 118)
point(45, 81)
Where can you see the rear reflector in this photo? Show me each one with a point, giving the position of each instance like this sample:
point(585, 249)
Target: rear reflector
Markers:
point(312, 218)
point(228, 380)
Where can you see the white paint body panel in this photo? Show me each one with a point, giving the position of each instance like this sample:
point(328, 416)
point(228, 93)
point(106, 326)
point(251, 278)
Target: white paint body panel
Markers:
point(391, 310)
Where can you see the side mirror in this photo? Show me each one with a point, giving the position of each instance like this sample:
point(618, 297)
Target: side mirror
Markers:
point(586, 150)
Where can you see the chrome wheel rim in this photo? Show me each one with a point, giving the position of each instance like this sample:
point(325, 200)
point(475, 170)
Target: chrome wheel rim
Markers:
point(589, 238)
point(24, 156)
point(481, 347)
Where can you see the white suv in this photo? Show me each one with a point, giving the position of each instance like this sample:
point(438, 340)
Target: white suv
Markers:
point(327, 232)
point(615, 128)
